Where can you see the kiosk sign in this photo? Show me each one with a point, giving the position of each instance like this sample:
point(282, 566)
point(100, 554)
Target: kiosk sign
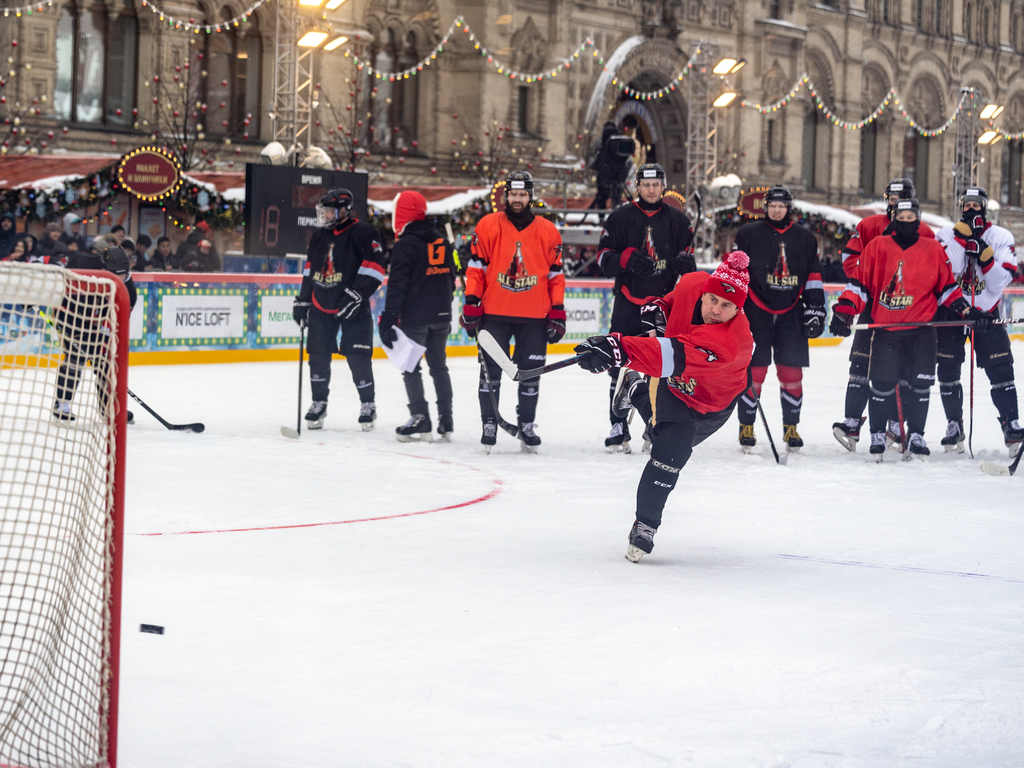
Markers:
point(149, 173)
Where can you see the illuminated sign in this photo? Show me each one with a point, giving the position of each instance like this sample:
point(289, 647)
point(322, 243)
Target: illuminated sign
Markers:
point(149, 173)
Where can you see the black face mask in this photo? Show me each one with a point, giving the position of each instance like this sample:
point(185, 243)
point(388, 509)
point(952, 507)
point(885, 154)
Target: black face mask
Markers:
point(975, 220)
point(905, 233)
point(648, 206)
point(779, 225)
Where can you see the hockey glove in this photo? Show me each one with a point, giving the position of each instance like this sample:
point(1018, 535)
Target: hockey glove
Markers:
point(472, 314)
point(351, 300)
point(963, 229)
point(814, 321)
point(652, 318)
point(556, 324)
point(683, 262)
point(300, 310)
point(640, 264)
point(842, 319)
point(386, 330)
point(982, 319)
point(977, 248)
point(599, 353)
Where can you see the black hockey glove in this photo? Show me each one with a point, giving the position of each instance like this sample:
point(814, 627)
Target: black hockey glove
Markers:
point(814, 321)
point(351, 300)
point(652, 318)
point(637, 262)
point(599, 353)
point(556, 324)
point(683, 262)
point(386, 330)
point(982, 319)
point(300, 310)
point(842, 319)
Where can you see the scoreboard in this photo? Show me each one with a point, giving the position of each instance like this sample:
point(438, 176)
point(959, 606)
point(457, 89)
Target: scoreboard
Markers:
point(280, 205)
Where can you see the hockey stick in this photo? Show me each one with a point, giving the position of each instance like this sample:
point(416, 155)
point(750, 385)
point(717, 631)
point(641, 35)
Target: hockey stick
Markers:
point(970, 428)
point(490, 345)
point(932, 324)
point(904, 437)
point(288, 431)
point(991, 468)
point(197, 427)
point(784, 458)
point(511, 429)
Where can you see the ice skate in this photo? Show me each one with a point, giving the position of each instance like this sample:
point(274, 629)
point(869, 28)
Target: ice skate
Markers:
point(618, 440)
point(747, 437)
point(878, 446)
point(894, 436)
point(62, 412)
point(954, 439)
point(445, 427)
point(1013, 435)
point(529, 440)
point(367, 415)
point(791, 438)
point(622, 401)
point(847, 432)
point(647, 440)
point(316, 414)
point(489, 436)
point(916, 447)
point(416, 430)
point(129, 418)
point(641, 541)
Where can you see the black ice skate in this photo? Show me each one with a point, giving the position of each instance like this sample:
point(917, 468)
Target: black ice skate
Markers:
point(647, 439)
point(489, 436)
point(445, 427)
point(316, 414)
point(792, 438)
point(416, 429)
point(1013, 435)
point(367, 415)
point(747, 437)
point(622, 401)
point(641, 541)
point(847, 432)
point(529, 440)
point(954, 439)
point(878, 445)
point(916, 447)
point(62, 412)
point(618, 440)
point(894, 436)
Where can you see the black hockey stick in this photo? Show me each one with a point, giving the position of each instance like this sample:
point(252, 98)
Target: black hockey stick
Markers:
point(288, 431)
point(522, 374)
point(991, 468)
point(784, 458)
point(197, 427)
point(490, 345)
point(932, 324)
point(510, 428)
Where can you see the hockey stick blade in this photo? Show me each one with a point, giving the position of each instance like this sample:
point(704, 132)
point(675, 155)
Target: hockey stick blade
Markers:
point(510, 428)
point(290, 433)
point(991, 468)
point(490, 345)
point(197, 427)
point(522, 374)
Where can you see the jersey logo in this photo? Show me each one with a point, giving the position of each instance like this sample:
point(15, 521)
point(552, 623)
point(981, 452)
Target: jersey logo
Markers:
point(781, 279)
point(894, 297)
point(326, 275)
point(652, 252)
point(686, 387)
point(712, 357)
point(515, 278)
point(971, 284)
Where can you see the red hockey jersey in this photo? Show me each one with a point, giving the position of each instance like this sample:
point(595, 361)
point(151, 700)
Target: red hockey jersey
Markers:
point(704, 365)
point(867, 230)
point(898, 285)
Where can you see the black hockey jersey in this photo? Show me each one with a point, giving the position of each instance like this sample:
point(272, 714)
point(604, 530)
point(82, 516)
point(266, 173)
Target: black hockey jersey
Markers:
point(784, 266)
point(422, 277)
point(349, 256)
point(662, 234)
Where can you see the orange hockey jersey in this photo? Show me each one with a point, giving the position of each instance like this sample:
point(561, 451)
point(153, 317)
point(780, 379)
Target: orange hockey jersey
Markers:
point(515, 273)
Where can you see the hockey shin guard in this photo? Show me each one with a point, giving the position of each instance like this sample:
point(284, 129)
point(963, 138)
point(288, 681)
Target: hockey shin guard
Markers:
point(951, 391)
point(1004, 391)
point(882, 405)
point(791, 392)
point(857, 390)
point(362, 376)
point(485, 391)
point(320, 376)
point(746, 409)
point(529, 392)
point(915, 406)
point(673, 444)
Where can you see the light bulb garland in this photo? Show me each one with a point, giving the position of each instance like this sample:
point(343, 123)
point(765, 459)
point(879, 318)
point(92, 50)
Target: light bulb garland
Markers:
point(28, 10)
point(192, 26)
point(650, 95)
point(415, 69)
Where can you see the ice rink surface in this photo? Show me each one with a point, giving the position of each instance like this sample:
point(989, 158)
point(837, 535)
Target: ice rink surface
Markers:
point(832, 612)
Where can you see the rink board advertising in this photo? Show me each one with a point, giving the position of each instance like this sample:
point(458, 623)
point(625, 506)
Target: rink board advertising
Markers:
point(280, 205)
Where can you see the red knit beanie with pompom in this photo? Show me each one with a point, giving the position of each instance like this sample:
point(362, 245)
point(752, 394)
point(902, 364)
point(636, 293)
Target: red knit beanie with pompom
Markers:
point(731, 279)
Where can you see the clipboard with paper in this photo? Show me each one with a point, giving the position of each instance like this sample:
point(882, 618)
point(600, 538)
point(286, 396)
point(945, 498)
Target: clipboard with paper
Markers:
point(405, 353)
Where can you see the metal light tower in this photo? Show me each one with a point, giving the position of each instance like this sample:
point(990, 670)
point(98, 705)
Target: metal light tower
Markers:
point(965, 157)
point(292, 113)
point(701, 147)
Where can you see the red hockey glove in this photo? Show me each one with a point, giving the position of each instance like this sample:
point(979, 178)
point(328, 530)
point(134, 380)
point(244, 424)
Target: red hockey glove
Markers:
point(556, 324)
point(472, 314)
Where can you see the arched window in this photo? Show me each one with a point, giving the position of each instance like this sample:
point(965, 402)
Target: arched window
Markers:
point(986, 25)
point(384, 60)
point(940, 26)
point(969, 22)
point(233, 78)
point(774, 9)
point(406, 99)
point(96, 64)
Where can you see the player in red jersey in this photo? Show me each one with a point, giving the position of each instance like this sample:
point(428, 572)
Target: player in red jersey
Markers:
point(902, 277)
point(698, 371)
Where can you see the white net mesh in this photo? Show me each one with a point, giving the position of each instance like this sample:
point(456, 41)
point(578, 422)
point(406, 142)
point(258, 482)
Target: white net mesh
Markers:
point(58, 339)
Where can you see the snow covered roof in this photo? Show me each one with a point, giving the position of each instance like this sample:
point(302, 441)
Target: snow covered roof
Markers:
point(829, 212)
point(933, 220)
point(442, 207)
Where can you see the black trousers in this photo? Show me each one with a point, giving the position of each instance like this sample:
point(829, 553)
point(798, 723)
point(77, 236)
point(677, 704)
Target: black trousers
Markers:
point(83, 348)
point(531, 352)
point(906, 359)
point(675, 428)
point(356, 345)
point(993, 355)
point(435, 338)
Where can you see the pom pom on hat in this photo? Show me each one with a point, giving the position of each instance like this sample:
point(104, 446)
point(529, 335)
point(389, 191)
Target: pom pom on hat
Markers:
point(731, 279)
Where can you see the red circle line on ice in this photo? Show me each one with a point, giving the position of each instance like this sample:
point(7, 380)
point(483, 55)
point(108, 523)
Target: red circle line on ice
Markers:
point(496, 487)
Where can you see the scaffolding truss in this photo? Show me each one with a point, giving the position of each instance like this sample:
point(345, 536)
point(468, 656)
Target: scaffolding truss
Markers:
point(293, 83)
point(701, 147)
point(966, 155)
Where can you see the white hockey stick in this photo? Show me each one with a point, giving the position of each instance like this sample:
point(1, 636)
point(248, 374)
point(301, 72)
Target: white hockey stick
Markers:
point(493, 349)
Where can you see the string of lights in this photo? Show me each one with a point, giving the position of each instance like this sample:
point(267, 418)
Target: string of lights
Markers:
point(27, 9)
point(196, 27)
point(415, 69)
point(650, 95)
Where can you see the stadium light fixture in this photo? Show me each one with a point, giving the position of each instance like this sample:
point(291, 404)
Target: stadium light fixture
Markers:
point(991, 112)
point(341, 40)
point(738, 66)
point(987, 137)
point(310, 2)
point(724, 67)
point(312, 39)
point(332, 4)
point(724, 100)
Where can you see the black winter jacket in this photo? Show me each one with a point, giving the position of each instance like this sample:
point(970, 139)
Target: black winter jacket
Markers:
point(422, 278)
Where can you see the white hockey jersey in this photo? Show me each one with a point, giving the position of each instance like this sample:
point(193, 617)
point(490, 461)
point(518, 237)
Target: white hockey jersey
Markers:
point(983, 288)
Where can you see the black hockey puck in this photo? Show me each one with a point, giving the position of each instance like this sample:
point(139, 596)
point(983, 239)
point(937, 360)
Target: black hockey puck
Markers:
point(151, 629)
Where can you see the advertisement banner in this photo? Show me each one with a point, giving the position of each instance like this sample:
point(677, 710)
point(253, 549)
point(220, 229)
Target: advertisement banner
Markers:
point(137, 321)
point(274, 323)
point(582, 315)
point(188, 315)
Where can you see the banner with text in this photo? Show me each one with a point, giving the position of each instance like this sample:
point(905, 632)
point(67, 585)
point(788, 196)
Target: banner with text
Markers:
point(186, 316)
point(275, 322)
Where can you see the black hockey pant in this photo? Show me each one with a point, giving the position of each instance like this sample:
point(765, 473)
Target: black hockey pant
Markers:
point(531, 352)
point(435, 338)
point(80, 350)
point(907, 359)
point(992, 352)
point(356, 345)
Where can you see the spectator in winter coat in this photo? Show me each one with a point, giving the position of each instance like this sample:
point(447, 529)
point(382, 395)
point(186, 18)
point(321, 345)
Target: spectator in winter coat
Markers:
point(141, 246)
point(160, 258)
point(50, 238)
point(73, 231)
point(8, 234)
point(17, 252)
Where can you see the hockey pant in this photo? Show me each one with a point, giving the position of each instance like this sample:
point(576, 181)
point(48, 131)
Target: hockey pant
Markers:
point(675, 429)
point(435, 338)
point(531, 352)
point(791, 393)
point(82, 349)
point(992, 354)
point(356, 345)
point(906, 359)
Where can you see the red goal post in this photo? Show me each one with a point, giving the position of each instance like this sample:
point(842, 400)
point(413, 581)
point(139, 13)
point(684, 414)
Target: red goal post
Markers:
point(63, 338)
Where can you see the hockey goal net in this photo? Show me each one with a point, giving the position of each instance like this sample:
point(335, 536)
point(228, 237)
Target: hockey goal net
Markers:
point(63, 380)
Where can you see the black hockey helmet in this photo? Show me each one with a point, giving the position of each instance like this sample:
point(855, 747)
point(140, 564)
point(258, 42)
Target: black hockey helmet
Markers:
point(519, 180)
point(338, 200)
point(116, 260)
point(974, 195)
point(649, 171)
point(901, 188)
point(907, 204)
point(778, 194)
